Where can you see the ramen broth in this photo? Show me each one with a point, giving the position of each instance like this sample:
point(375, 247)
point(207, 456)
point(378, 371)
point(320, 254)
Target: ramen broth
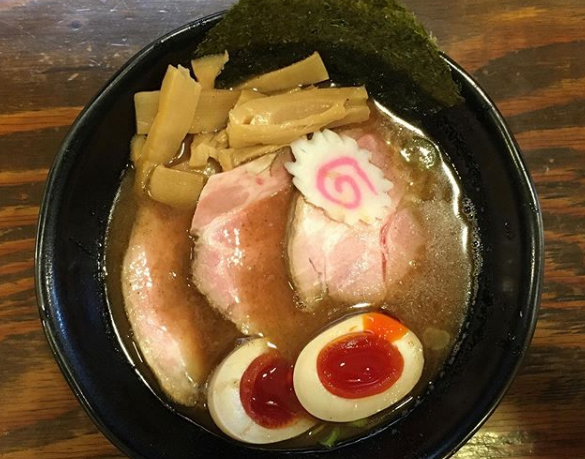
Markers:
point(432, 299)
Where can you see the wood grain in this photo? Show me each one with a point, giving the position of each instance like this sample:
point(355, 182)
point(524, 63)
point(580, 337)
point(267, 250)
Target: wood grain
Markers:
point(528, 54)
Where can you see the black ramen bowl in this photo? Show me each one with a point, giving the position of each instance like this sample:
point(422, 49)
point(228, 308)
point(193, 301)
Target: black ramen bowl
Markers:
point(74, 309)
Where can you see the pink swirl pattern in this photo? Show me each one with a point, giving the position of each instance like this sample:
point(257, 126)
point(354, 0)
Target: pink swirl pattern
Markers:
point(342, 180)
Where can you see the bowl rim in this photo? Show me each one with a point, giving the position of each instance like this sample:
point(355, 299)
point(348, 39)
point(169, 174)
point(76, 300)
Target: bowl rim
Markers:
point(536, 241)
point(53, 189)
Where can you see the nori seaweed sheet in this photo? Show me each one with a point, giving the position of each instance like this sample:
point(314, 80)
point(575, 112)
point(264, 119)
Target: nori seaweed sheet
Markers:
point(378, 43)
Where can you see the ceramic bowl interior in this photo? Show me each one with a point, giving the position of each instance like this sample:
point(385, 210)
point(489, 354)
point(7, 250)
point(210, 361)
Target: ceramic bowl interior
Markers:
point(74, 309)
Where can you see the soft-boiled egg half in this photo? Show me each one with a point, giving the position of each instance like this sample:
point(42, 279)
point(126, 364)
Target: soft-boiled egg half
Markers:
point(251, 396)
point(358, 367)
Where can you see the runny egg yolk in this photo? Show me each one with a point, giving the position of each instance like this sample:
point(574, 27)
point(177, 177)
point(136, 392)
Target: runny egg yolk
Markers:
point(359, 365)
point(384, 326)
point(266, 391)
point(364, 363)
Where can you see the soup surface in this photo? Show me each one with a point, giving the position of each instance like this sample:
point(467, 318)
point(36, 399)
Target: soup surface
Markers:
point(431, 298)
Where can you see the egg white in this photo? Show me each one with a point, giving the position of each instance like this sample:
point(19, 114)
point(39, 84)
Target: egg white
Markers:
point(225, 405)
point(322, 404)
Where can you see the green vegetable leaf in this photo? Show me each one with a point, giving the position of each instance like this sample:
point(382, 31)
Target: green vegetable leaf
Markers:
point(331, 438)
point(360, 422)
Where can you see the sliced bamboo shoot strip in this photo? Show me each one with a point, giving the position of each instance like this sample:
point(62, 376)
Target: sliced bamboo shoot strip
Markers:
point(144, 169)
point(136, 145)
point(175, 187)
point(211, 113)
point(178, 99)
point(352, 94)
point(212, 110)
point(146, 108)
point(201, 138)
point(294, 105)
point(355, 114)
point(183, 166)
point(211, 168)
point(283, 118)
point(220, 140)
point(245, 135)
point(206, 69)
point(201, 153)
point(247, 95)
point(308, 71)
point(234, 157)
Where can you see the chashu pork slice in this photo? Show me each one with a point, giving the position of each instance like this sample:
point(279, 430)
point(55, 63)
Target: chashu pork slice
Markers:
point(331, 259)
point(239, 228)
point(169, 319)
point(358, 263)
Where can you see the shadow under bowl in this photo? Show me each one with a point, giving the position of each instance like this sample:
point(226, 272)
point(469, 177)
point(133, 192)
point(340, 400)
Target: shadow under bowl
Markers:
point(74, 310)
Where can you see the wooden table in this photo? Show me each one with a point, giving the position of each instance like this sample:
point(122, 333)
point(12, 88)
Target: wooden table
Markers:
point(528, 54)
